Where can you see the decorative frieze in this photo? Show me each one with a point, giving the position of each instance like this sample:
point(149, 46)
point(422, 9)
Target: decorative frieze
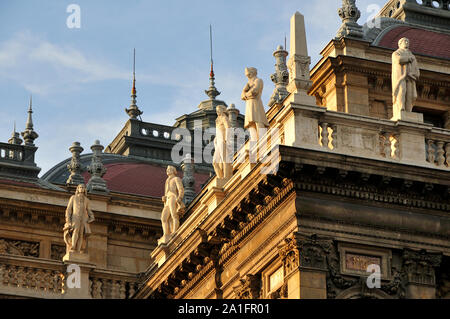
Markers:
point(19, 247)
point(57, 252)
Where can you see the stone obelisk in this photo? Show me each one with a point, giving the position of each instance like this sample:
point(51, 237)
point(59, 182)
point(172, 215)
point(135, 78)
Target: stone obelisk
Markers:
point(299, 61)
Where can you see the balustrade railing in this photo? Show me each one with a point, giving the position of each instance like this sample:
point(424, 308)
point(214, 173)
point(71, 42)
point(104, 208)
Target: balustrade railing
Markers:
point(31, 277)
point(112, 285)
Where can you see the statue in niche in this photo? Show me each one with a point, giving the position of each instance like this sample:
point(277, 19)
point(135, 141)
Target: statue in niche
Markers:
point(405, 73)
point(255, 116)
point(173, 205)
point(78, 217)
point(222, 160)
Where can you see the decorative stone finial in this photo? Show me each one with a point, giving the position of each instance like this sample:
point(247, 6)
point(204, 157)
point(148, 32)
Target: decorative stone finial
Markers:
point(233, 113)
point(29, 135)
point(188, 168)
point(15, 137)
point(75, 166)
point(97, 170)
point(349, 14)
point(133, 112)
point(280, 77)
point(212, 90)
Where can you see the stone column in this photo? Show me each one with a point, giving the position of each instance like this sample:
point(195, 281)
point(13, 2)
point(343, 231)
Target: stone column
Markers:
point(419, 267)
point(299, 61)
point(305, 267)
point(75, 166)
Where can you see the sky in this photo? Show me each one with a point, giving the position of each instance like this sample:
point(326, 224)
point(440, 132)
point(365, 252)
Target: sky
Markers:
point(80, 78)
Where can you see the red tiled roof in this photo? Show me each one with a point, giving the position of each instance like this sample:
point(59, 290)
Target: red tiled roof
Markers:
point(17, 183)
point(420, 41)
point(140, 179)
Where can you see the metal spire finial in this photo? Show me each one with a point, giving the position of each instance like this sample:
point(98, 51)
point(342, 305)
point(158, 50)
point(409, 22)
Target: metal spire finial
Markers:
point(212, 90)
point(133, 112)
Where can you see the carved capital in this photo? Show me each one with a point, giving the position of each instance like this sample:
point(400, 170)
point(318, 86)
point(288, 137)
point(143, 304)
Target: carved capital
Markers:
point(249, 287)
point(304, 251)
point(419, 266)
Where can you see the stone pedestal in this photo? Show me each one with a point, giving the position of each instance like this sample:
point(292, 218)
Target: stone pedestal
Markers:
point(77, 284)
point(408, 117)
point(159, 254)
point(74, 257)
point(214, 195)
point(219, 182)
point(164, 240)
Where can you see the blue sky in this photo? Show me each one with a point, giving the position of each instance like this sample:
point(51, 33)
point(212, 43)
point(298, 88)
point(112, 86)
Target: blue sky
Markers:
point(81, 78)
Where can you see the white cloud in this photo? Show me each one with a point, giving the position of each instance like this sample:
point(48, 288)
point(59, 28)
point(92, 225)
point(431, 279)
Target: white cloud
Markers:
point(43, 67)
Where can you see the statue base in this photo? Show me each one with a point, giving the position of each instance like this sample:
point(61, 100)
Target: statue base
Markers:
point(408, 117)
point(75, 256)
point(220, 182)
point(164, 240)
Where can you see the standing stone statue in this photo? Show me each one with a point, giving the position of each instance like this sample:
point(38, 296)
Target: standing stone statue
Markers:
point(78, 217)
point(255, 116)
point(173, 205)
point(222, 160)
point(405, 73)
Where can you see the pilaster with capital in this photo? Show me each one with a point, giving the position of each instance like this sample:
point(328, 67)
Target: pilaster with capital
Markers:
point(419, 269)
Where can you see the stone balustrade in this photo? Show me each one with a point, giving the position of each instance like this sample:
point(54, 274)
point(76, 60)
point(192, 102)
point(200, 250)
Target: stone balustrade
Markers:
point(354, 135)
point(112, 285)
point(438, 152)
point(31, 277)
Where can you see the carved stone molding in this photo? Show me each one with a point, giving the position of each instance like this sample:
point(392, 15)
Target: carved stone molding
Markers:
point(19, 247)
point(57, 252)
point(303, 251)
point(249, 287)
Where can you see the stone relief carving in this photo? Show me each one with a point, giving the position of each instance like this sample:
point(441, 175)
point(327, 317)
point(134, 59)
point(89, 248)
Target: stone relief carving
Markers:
point(57, 252)
point(19, 247)
point(249, 287)
point(419, 266)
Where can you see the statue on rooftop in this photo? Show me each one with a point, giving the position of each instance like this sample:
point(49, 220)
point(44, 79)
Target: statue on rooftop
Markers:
point(405, 73)
point(255, 116)
point(222, 160)
point(78, 217)
point(173, 205)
